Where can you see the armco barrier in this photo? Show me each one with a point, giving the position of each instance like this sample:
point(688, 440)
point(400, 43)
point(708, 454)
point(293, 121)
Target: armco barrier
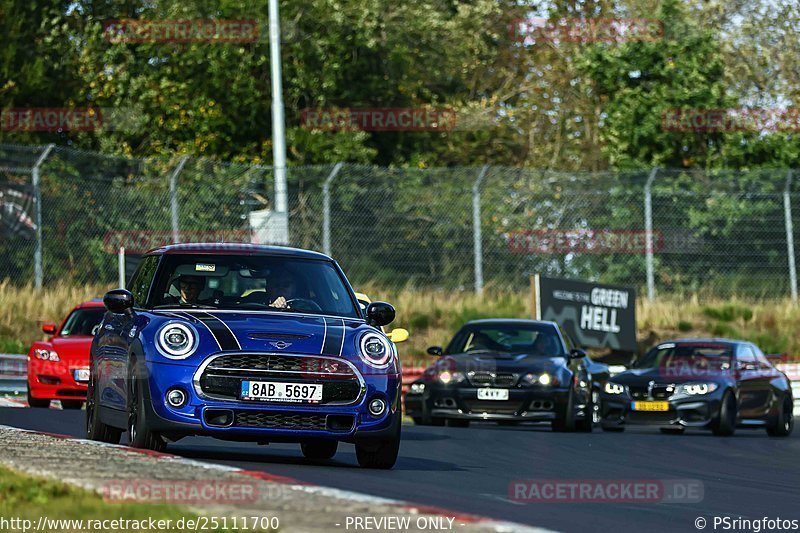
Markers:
point(13, 372)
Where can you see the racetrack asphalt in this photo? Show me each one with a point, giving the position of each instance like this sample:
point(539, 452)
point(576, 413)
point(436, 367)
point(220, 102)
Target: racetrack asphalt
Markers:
point(748, 476)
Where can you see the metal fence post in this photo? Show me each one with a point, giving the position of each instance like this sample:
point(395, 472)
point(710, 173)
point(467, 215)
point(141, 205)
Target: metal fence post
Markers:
point(326, 209)
point(173, 199)
point(38, 271)
point(476, 224)
point(787, 210)
point(648, 231)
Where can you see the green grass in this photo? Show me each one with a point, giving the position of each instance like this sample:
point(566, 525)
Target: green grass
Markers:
point(28, 498)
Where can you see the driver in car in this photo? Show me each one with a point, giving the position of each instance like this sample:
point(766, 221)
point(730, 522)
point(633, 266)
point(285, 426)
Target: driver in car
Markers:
point(190, 288)
point(281, 288)
point(546, 345)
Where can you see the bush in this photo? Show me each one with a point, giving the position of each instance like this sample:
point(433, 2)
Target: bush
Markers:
point(683, 325)
point(729, 312)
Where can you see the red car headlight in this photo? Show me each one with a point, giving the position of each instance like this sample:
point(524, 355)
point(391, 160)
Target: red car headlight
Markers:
point(46, 355)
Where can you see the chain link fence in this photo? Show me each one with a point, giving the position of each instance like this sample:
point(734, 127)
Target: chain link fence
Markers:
point(65, 213)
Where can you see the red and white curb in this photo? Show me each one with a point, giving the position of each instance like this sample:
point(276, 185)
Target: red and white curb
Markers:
point(459, 518)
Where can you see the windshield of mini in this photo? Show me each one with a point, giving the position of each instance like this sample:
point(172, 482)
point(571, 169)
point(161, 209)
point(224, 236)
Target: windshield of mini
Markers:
point(695, 356)
point(508, 339)
point(253, 282)
point(83, 322)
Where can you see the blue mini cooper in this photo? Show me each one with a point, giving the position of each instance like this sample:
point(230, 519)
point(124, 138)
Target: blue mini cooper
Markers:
point(246, 343)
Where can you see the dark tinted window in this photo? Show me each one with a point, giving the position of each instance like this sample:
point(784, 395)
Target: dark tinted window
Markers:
point(140, 282)
point(535, 339)
point(82, 322)
point(698, 356)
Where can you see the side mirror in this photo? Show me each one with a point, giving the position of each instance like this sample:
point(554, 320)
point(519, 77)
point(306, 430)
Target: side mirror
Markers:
point(118, 301)
point(49, 328)
point(577, 353)
point(435, 350)
point(398, 335)
point(379, 314)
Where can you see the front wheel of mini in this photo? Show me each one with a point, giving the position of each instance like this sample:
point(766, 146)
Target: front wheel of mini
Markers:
point(319, 449)
point(139, 433)
point(379, 453)
point(95, 429)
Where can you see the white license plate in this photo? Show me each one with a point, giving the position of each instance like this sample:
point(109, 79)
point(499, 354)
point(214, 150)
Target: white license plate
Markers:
point(281, 392)
point(493, 394)
point(81, 374)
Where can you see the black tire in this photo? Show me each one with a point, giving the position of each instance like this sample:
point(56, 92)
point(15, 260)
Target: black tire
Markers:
point(71, 404)
point(379, 453)
point(567, 422)
point(586, 424)
point(724, 424)
point(677, 430)
point(457, 423)
point(139, 434)
point(35, 402)
point(319, 449)
point(95, 429)
point(613, 429)
point(783, 423)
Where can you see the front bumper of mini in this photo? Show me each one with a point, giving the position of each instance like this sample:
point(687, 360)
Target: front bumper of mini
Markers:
point(267, 421)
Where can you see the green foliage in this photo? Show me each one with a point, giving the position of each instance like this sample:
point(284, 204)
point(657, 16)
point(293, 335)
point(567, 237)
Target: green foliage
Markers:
point(722, 329)
point(685, 326)
point(728, 312)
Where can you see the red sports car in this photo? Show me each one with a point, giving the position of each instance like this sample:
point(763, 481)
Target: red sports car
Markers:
point(58, 368)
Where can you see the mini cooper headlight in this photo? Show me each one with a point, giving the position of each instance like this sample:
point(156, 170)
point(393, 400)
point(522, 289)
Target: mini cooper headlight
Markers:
point(376, 350)
point(176, 340)
point(693, 389)
point(614, 388)
point(46, 355)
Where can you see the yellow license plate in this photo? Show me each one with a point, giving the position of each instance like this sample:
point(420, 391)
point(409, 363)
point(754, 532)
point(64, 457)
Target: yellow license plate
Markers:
point(650, 406)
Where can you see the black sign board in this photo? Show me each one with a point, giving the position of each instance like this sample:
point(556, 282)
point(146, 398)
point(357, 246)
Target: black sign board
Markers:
point(594, 315)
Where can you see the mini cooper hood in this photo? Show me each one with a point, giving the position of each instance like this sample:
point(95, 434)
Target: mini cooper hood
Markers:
point(272, 331)
point(515, 363)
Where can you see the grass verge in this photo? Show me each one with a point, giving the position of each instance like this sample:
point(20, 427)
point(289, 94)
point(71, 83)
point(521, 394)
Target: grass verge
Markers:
point(28, 498)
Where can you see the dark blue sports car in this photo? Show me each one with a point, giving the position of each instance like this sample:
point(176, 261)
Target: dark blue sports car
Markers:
point(247, 343)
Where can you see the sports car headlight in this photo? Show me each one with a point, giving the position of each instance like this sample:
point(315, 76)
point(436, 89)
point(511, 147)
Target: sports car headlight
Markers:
point(446, 377)
point(544, 379)
point(177, 340)
point(614, 388)
point(376, 350)
point(693, 389)
point(46, 355)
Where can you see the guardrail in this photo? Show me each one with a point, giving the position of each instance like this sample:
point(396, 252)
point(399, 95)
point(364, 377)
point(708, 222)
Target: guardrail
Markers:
point(13, 372)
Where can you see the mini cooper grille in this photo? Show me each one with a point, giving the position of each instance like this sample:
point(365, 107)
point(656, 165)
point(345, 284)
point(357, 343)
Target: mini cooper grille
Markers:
point(659, 392)
point(255, 419)
point(280, 363)
point(223, 376)
point(492, 379)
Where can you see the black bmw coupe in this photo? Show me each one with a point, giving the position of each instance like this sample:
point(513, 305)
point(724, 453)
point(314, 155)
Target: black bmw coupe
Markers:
point(508, 371)
point(715, 384)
